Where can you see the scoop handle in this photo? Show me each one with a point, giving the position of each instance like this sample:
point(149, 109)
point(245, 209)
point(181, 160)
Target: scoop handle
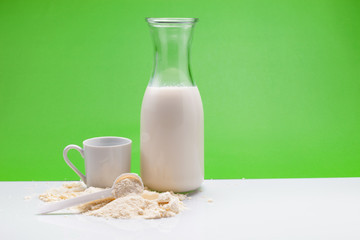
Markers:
point(74, 201)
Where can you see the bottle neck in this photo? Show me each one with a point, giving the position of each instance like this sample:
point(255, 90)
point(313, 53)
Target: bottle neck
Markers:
point(172, 52)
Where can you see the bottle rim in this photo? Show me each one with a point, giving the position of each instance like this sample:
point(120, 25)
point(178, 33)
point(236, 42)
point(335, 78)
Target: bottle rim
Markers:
point(172, 20)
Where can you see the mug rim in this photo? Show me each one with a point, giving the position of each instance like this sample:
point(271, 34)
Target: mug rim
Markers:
point(128, 142)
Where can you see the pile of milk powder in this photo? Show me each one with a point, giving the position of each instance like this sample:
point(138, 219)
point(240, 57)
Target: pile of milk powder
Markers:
point(138, 203)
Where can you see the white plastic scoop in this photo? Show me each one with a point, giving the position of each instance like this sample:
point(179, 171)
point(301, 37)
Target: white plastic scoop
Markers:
point(91, 197)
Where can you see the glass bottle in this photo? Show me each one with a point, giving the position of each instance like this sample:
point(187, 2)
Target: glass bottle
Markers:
point(172, 121)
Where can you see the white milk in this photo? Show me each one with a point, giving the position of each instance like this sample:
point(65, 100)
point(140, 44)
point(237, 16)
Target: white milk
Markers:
point(172, 139)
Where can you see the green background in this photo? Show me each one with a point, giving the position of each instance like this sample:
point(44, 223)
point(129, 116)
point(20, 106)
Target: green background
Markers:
point(280, 83)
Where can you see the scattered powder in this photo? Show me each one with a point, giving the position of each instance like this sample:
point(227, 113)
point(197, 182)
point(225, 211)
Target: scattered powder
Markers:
point(150, 195)
point(71, 190)
point(209, 200)
point(66, 191)
point(131, 201)
point(135, 205)
point(27, 197)
point(93, 205)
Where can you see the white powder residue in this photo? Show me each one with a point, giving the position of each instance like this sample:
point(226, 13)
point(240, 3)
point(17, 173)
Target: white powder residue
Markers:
point(131, 202)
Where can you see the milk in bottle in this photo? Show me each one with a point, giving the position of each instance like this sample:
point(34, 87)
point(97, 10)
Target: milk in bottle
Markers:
point(172, 122)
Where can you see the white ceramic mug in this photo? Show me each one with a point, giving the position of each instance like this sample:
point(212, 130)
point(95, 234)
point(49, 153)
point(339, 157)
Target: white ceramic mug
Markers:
point(105, 159)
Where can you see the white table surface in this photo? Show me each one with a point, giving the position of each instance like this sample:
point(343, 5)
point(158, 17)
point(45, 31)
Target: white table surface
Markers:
point(241, 209)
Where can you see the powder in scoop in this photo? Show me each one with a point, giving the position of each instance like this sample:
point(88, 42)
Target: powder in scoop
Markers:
point(127, 186)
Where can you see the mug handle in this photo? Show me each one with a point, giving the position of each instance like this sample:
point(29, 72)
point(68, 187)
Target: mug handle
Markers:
point(71, 165)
